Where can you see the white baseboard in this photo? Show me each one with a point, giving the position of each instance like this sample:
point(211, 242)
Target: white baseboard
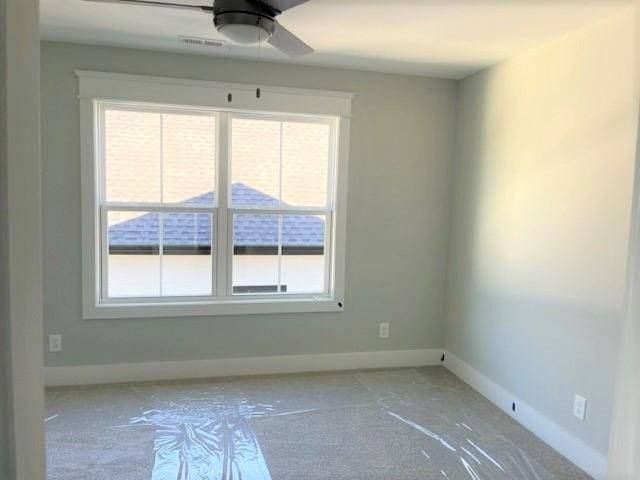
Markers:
point(574, 449)
point(136, 372)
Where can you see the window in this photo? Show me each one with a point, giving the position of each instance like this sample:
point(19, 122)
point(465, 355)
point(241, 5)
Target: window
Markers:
point(201, 210)
point(280, 187)
point(157, 201)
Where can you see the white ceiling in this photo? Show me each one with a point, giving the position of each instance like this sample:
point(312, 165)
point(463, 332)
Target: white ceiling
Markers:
point(444, 38)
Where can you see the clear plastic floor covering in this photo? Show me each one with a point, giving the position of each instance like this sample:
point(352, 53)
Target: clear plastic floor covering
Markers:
point(386, 424)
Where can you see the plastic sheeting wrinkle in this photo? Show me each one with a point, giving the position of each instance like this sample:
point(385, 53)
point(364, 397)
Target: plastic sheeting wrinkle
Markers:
point(424, 430)
point(207, 440)
point(470, 469)
point(486, 455)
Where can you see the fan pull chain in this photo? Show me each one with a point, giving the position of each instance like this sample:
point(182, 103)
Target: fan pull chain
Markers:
point(259, 58)
point(229, 95)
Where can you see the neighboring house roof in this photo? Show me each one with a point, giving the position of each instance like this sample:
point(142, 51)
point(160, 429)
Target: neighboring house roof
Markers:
point(191, 232)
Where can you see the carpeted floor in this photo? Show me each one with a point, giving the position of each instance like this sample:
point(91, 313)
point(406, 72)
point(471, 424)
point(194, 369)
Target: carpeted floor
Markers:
point(400, 424)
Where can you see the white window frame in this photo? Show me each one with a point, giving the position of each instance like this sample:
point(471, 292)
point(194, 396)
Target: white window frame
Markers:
point(99, 90)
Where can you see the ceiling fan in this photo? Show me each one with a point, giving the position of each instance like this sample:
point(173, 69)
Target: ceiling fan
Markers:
point(246, 22)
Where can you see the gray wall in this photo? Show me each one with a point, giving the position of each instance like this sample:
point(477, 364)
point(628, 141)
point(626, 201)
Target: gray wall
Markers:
point(4, 258)
point(401, 151)
point(542, 197)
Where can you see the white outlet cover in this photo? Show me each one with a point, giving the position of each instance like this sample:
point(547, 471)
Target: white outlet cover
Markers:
point(55, 343)
point(384, 330)
point(579, 407)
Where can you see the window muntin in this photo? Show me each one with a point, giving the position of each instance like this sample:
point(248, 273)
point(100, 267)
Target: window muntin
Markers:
point(269, 177)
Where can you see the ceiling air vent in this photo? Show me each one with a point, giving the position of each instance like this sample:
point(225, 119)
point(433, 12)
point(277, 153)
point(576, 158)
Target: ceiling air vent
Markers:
point(202, 42)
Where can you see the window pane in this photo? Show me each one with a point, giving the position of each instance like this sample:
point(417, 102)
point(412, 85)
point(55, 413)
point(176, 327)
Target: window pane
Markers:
point(305, 164)
point(188, 158)
point(133, 254)
point(132, 156)
point(303, 259)
point(186, 254)
point(255, 164)
point(255, 254)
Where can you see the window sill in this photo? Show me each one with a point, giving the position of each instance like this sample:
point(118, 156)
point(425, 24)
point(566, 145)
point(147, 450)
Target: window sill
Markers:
point(201, 309)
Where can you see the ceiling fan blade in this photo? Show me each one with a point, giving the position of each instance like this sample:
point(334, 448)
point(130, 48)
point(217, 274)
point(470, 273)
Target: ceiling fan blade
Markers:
point(153, 3)
point(283, 5)
point(288, 43)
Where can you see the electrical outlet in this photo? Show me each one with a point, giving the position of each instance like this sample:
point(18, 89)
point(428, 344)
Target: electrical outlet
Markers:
point(579, 407)
point(384, 330)
point(55, 343)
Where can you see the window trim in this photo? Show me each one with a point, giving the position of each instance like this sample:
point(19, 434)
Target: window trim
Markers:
point(145, 91)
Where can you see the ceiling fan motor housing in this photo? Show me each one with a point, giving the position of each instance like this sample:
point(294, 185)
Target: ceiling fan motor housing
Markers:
point(242, 12)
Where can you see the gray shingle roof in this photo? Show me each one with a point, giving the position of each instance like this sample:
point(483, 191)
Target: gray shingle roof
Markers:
point(192, 231)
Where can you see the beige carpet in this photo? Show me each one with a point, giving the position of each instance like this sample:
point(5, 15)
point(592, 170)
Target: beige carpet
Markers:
point(401, 424)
